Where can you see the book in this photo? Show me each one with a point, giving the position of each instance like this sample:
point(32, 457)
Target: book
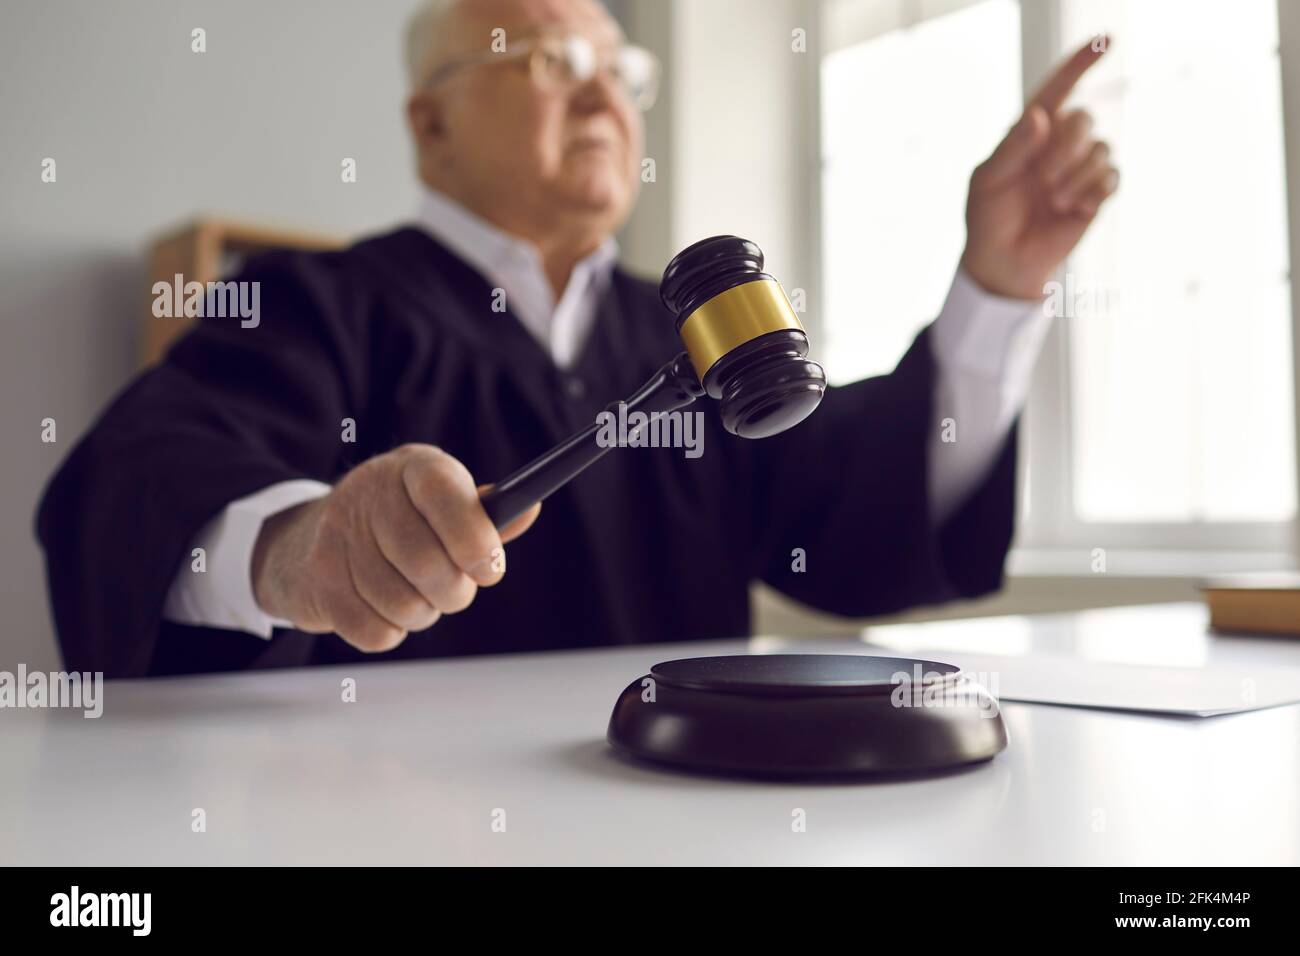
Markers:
point(1254, 603)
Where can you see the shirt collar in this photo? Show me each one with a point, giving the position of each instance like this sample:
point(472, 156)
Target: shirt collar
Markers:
point(497, 254)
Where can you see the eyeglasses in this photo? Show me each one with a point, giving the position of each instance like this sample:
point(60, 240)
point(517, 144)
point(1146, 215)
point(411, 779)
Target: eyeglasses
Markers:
point(560, 63)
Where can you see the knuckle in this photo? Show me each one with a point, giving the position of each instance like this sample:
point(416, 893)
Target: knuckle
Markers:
point(449, 469)
point(412, 449)
point(437, 581)
point(432, 575)
point(378, 638)
point(410, 611)
point(427, 619)
point(475, 537)
point(414, 458)
point(409, 541)
point(358, 479)
point(363, 630)
point(334, 526)
point(457, 593)
point(431, 476)
point(337, 604)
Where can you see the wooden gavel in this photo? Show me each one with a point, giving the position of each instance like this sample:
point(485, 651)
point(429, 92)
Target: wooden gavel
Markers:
point(745, 348)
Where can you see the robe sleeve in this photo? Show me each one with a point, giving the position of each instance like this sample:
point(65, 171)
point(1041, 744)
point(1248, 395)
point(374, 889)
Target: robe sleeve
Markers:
point(849, 487)
point(229, 410)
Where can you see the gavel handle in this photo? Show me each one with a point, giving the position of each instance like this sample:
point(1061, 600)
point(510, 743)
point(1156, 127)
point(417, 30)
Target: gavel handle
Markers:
point(674, 386)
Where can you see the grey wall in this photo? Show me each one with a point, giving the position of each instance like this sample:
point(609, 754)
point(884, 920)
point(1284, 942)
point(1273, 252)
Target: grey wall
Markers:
point(146, 134)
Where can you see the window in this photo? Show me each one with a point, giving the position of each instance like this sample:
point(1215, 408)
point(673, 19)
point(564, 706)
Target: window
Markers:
point(1163, 410)
point(899, 141)
point(1187, 368)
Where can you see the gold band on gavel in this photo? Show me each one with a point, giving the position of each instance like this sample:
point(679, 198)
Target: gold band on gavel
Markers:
point(734, 317)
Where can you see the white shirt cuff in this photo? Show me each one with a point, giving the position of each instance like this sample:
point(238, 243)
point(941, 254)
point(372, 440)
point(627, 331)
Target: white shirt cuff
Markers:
point(988, 335)
point(221, 595)
point(985, 347)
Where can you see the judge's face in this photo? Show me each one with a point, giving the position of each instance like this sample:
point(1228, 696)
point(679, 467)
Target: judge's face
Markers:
point(511, 138)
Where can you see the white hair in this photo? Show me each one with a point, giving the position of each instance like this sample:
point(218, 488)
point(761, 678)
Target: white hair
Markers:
point(421, 28)
point(421, 31)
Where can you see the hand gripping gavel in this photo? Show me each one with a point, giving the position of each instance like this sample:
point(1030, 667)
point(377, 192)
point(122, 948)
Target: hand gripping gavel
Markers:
point(744, 347)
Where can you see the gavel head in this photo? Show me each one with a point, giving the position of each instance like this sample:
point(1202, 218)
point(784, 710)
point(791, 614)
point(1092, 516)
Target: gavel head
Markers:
point(742, 336)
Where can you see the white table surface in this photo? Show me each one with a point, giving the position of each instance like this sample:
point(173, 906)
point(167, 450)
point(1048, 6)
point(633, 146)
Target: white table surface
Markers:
point(412, 772)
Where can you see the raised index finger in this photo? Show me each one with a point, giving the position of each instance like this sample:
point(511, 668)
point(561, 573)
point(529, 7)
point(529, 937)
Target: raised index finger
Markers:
point(1051, 95)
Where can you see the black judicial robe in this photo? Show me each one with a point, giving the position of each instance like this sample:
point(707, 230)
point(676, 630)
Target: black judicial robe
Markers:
point(399, 335)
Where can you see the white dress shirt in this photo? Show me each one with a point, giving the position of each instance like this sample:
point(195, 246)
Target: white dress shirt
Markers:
point(984, 348)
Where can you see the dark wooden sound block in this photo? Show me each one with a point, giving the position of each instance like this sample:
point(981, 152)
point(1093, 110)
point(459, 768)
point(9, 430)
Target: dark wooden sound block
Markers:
point(814, 715)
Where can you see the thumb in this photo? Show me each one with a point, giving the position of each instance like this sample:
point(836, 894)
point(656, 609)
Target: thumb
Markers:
point(518, 526)
point(1018, 147)
point(508, 532)
point(521, 524)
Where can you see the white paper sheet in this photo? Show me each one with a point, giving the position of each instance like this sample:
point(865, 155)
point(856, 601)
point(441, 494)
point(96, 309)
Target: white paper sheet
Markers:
point(1192, 691)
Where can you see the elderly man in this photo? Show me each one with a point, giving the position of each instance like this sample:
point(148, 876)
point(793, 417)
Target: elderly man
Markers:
point(328, 459)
